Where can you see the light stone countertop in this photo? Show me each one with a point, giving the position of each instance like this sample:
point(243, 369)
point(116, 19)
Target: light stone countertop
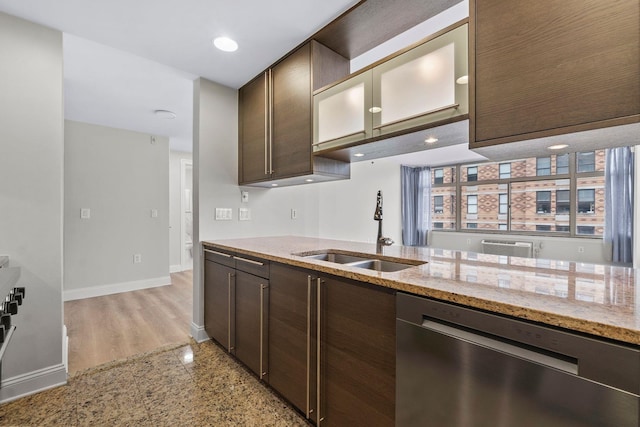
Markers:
point(596, 299)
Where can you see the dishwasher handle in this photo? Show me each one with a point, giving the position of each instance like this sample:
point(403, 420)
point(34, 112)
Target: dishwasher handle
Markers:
point(509, 347)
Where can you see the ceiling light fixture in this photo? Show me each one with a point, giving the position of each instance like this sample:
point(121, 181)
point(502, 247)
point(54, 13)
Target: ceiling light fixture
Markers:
point(165, 114)
point(225, 44)
point(463, 80)
point(358, 155)
point(557, 146)
point(375, 110)
point(431, 140)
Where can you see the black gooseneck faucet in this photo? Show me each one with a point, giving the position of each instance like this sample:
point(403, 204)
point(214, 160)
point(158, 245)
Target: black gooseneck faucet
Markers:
point(377, 216)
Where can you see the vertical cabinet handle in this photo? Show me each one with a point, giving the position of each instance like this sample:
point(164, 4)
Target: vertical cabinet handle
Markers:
point(308, 409)
point(229, 313)
point(266, 122)
point(319, 351)
point(262, 287)
point(270, 110)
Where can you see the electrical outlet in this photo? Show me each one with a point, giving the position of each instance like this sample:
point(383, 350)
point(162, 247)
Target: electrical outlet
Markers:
point(244, 214)
point(244, 196)
point(468, 241)
point(85, 213)
point(137, 258)
point(154, 213)
point(294, 214)
point(580, 249)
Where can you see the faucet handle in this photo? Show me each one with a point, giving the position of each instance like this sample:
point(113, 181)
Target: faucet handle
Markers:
point(386, 241)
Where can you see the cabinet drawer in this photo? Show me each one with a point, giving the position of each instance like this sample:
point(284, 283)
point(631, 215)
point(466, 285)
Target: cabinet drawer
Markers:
point(256, 266)
point(221, 257)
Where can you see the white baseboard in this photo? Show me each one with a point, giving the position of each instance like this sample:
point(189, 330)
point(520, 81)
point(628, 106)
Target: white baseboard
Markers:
point(176, 268)
point(198, 333)
point(116, 288)
point(32, 382)
point(65, 348)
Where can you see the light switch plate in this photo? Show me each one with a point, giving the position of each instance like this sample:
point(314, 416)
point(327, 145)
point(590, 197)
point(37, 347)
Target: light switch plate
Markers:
point(154, 213)
point(244, 214)
point(85, 213)
point(224, 214)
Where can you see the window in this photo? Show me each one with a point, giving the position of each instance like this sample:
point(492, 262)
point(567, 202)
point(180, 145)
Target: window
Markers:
point(503, 207)
point(543, 228)
point(472, 173)
point(563, 228)
point(562, 202)
point(543, 202)
point(472, 204)
point(502, 226)
point(505, 170)
point(562, 164)
point(583, 229)
point(543, 166)
point(438, 225)
point(586, 161)
point(438, 204)
point(586, 201)
point(472, 225)
point(438, 176)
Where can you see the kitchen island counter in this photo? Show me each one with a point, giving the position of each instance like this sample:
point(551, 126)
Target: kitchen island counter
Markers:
point(595, 299)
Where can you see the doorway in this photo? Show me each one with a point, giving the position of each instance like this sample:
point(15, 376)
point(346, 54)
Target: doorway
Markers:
point(186, 214)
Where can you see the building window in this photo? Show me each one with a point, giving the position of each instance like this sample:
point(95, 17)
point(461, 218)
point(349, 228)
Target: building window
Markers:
point(505, 170)
point(472, 204)
point(438, 225)
point(472, 173)
point(472, 225)
point(562, 228)
point(543, 166)
point(543, 228)
point(586, 201)
point(543, 202)
point(438, 204)
point(562, 164)
point(584, 229)
point(438, 176)
point(503, 207)
point(562, 201)
point(586, 161)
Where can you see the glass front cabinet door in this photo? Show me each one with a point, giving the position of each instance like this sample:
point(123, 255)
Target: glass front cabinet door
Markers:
point(423, 85)
point(426, 84)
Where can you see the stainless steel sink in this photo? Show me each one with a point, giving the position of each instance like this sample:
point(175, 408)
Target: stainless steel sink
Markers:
point(361, 261)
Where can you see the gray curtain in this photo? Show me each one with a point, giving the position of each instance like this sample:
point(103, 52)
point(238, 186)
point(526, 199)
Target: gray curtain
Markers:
point(416, 204)
point(618, 229)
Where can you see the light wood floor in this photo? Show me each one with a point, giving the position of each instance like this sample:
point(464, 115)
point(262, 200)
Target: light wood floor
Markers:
point(112, 327)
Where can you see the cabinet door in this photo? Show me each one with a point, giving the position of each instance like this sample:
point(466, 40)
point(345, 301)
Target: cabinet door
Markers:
point(358, 354)
point(251, 294)
point(292, 348)
point(291, 114)
point(552, 67)
point(218, 303)
point(253, 138)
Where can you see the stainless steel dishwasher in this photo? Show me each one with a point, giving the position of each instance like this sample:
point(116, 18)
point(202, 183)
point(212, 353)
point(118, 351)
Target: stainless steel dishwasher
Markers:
point(459, 367)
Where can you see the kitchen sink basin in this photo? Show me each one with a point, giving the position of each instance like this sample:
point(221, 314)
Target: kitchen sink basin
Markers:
point(368, 262)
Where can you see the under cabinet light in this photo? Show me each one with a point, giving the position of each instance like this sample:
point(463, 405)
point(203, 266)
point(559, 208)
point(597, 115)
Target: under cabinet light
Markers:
point(463, 80)
point(557, 146)
point(431, 140)
point(358, 155)
point(375, 110)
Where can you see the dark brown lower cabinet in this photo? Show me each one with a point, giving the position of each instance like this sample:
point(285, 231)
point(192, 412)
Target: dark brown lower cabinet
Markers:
point(354, 382)
point(251, 301)
point(357, 353)
point(218, 297)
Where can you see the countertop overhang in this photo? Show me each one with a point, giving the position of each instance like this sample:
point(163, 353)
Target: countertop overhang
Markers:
point(600, 300)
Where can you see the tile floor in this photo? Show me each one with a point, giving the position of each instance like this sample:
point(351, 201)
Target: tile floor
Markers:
point(193, 384)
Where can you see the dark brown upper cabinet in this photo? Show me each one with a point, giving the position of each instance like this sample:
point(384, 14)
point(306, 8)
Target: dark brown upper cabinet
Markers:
point(275, 120)
point(549, 68)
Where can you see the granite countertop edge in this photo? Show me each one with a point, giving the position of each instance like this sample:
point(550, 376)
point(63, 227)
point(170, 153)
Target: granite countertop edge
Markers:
point(471, 296)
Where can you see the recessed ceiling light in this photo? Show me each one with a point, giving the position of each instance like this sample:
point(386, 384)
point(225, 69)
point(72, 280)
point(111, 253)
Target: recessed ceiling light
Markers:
point(358, 155)
point(463, 80)
point(431, 140)
point(165, 114)
point(557, 146)
point(375, 110)
point(225, 44)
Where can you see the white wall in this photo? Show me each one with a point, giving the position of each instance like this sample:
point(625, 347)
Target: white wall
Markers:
point(31, 162)
point(215, 172)
point(175, 199)
point(121, 176)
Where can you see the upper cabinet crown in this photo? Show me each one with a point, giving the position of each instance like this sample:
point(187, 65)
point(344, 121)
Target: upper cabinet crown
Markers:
point(275, 129)
point(546, 68)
